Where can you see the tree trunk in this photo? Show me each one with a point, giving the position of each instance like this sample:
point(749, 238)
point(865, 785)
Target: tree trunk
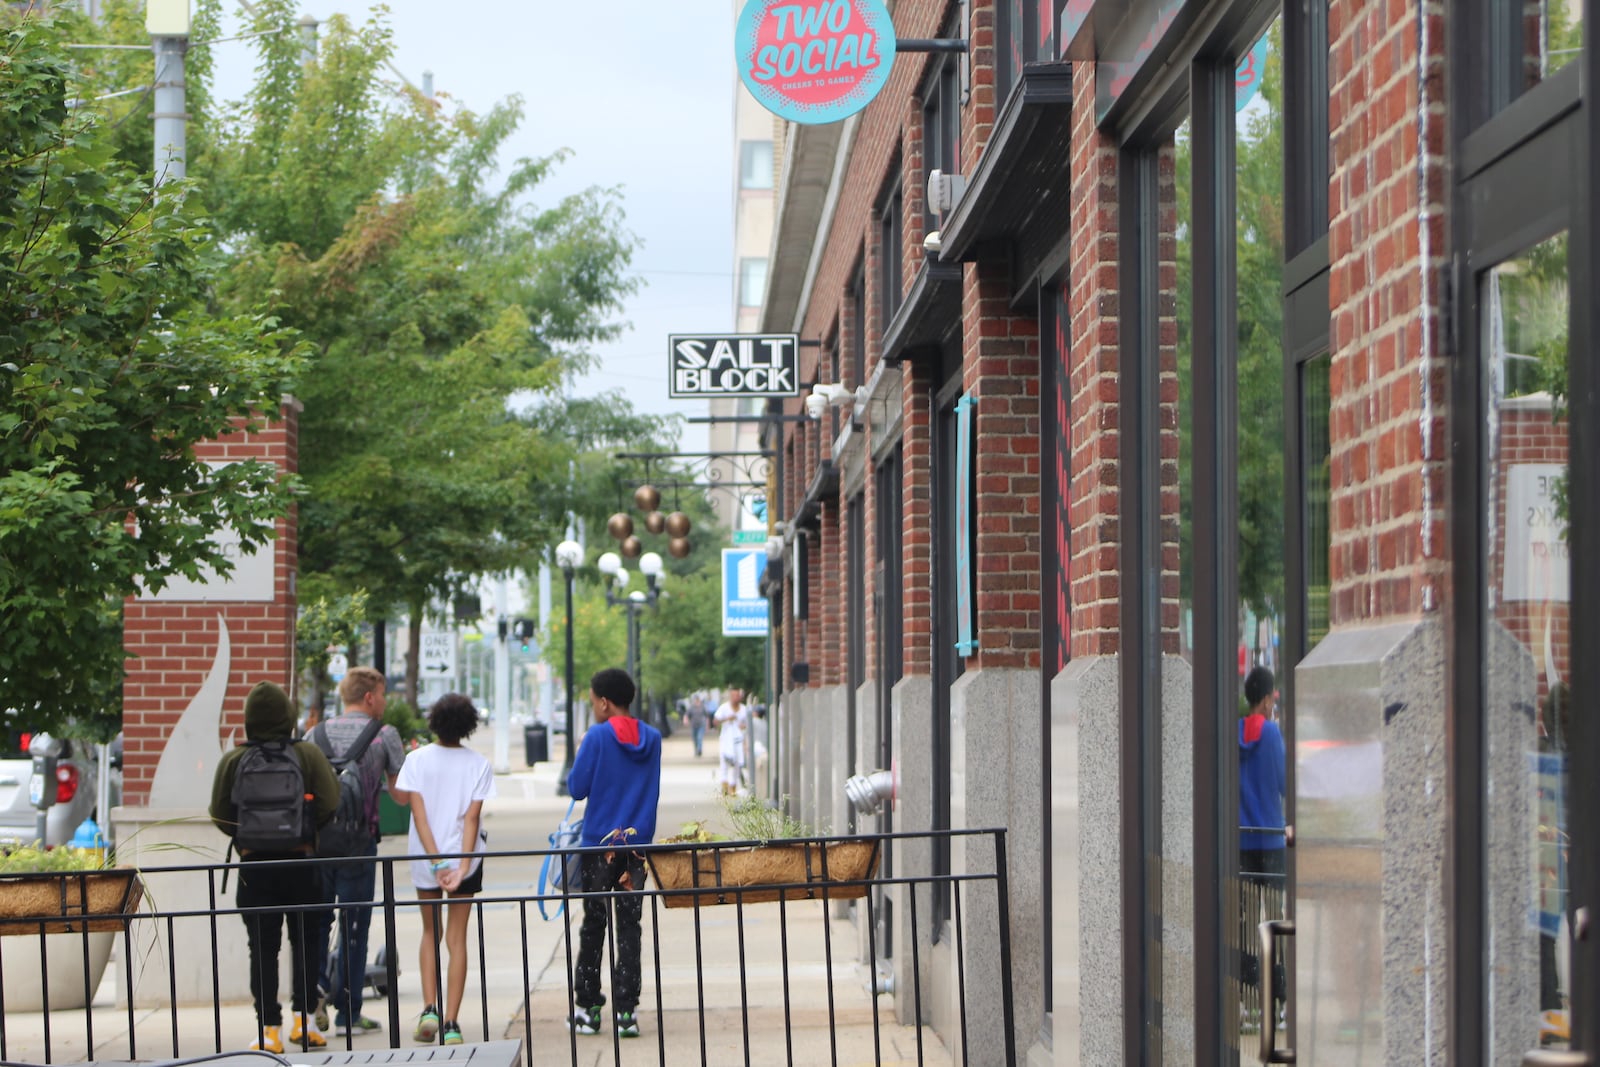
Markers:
point(413, 653)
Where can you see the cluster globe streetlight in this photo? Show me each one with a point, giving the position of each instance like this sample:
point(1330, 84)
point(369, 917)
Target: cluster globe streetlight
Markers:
point(569, 555)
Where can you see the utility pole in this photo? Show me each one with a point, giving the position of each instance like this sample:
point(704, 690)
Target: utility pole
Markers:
point(308, 40)
point(167, 22)
point(502, 672)
point(547, 686)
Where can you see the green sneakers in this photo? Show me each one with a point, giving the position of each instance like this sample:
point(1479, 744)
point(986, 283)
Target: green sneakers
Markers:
point(427, 1025)
point(627, 1025)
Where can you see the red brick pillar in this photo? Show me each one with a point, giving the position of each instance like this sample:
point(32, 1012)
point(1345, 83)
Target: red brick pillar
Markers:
point(1002, 371)
point(195, 649)
point(1386, 243)
point(1096, 533)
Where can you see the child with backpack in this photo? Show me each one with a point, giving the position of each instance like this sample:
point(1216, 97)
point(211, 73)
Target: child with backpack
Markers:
point(270, 795)
point(446, 784)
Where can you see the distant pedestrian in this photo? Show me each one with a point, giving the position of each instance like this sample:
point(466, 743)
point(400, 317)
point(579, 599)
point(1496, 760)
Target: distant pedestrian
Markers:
point(445, 784)
point(697, 715)
point(363, 691)
point(731, 749)
point(255, 786)
point(618, 771)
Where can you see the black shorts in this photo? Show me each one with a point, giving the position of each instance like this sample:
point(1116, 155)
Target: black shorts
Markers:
point(471, 884)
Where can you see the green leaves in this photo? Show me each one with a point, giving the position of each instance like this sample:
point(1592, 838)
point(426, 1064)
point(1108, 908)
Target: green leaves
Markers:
point(115, 370)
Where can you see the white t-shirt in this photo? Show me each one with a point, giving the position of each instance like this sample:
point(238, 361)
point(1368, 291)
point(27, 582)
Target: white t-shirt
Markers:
point(730, 743)
point(728, 713)
point(450, 780)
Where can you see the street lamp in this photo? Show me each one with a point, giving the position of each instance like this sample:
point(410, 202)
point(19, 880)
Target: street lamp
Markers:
point(568, 555)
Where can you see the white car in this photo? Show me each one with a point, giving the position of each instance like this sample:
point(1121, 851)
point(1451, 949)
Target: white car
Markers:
point(77, 772)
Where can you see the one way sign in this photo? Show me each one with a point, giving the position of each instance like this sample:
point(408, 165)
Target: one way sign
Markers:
point(438, 654)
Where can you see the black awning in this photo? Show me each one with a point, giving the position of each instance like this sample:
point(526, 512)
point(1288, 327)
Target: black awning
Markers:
point(929, 313)
point(824, 486)
point(1022, 188)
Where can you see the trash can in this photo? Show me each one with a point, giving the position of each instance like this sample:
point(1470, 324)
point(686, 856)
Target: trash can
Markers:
point(536, 743)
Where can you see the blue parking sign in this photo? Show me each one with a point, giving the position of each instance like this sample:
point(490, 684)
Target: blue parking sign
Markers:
point(744, 609)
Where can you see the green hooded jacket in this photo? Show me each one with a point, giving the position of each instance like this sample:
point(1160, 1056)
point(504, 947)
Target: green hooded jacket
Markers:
point(267, 718)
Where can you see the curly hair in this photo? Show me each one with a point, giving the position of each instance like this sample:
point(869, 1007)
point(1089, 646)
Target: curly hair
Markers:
point(452, 718)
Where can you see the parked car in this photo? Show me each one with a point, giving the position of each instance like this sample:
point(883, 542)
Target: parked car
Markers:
point(77, 774)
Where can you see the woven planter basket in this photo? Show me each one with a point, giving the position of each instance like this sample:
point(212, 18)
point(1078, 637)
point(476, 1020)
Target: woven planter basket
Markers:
point(27, 898)
point(806, 869)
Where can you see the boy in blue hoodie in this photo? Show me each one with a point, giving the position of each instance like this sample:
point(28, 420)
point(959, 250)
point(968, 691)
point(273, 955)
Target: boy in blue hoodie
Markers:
point(1261, 834)
point(618, 771)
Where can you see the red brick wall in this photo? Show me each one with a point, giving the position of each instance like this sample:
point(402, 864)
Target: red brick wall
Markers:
point(1095, 335)
point(888, 136)
point(1386, 243)
point(171, 644)
point(1001, 368)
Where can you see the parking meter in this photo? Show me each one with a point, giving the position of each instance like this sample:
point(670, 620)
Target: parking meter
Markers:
point(46, 753)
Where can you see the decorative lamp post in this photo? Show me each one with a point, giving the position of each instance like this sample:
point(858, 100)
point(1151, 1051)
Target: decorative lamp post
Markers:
point(568, 555)
point(636, 603)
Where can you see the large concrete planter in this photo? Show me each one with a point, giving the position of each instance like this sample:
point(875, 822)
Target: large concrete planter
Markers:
point(22, 968)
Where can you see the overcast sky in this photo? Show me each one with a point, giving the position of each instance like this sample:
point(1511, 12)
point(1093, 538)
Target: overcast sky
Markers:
point(641, 92)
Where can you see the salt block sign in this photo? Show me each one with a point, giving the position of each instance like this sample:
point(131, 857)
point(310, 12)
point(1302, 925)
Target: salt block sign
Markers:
point(814, 62)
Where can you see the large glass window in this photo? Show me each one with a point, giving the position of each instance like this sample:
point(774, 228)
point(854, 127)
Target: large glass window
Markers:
point(941, 127)
point(1527, 651)
point(891, 248)
point(755, 164)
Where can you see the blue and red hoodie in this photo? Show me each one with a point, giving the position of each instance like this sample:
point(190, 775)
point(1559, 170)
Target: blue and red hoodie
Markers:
point(1261, 781)
point(618, 771)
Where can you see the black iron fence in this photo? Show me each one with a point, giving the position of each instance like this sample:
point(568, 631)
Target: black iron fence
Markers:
point(753, 953)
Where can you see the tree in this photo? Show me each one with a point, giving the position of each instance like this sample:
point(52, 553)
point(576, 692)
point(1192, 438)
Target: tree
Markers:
point(446, 314)
point(113, 367)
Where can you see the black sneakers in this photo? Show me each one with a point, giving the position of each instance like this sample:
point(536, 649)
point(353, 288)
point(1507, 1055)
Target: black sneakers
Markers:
point(586, 1021)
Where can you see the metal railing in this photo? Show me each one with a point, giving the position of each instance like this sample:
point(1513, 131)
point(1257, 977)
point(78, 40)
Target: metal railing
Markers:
point(751, 973)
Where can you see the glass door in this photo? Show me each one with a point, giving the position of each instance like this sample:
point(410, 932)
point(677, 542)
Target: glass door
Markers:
point(1524, 306)
point(1525, 734)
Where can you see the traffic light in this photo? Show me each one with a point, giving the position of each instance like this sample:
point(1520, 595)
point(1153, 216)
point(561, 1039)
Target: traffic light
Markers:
point(522, 630)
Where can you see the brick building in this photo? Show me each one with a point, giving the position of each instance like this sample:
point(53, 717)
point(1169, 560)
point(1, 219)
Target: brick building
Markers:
point(1170, 338)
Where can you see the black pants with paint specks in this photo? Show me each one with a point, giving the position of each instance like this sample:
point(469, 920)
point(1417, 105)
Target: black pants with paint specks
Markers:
point(603, 873)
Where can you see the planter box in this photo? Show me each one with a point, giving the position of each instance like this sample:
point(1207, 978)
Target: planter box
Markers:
point(71, 897)
point(808, 870)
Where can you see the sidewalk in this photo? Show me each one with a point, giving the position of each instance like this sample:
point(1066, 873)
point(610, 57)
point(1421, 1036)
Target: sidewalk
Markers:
point(675, 1005)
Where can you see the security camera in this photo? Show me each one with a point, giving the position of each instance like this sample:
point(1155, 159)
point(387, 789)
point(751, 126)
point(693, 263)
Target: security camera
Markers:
point(933, 242)
point(816, 405)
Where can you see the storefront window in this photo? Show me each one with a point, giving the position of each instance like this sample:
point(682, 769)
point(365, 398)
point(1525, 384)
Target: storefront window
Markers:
point(1528, 652)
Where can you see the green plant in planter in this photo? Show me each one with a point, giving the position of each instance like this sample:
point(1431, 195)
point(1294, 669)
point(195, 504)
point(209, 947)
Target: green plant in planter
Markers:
point(32, 859)
point(407, 721)
point(749, 819)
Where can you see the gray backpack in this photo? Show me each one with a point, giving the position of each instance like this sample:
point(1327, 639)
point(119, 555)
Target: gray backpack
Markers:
point(272, 810)
point(350, 833)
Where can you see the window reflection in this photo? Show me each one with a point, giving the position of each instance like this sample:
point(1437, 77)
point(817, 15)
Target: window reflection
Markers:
point(1528, 661)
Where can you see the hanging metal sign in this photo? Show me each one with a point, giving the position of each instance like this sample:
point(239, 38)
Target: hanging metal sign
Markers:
point(814, 61)
point(732, 365)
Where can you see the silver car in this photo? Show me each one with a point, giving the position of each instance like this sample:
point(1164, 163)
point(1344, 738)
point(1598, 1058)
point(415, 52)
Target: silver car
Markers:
point(77, 775)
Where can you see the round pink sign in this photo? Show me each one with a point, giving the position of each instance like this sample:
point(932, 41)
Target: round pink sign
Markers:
point(814, 61)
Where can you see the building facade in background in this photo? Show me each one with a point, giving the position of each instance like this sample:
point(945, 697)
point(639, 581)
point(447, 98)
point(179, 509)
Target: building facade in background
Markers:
point(754, 183)
point(1229, 333)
